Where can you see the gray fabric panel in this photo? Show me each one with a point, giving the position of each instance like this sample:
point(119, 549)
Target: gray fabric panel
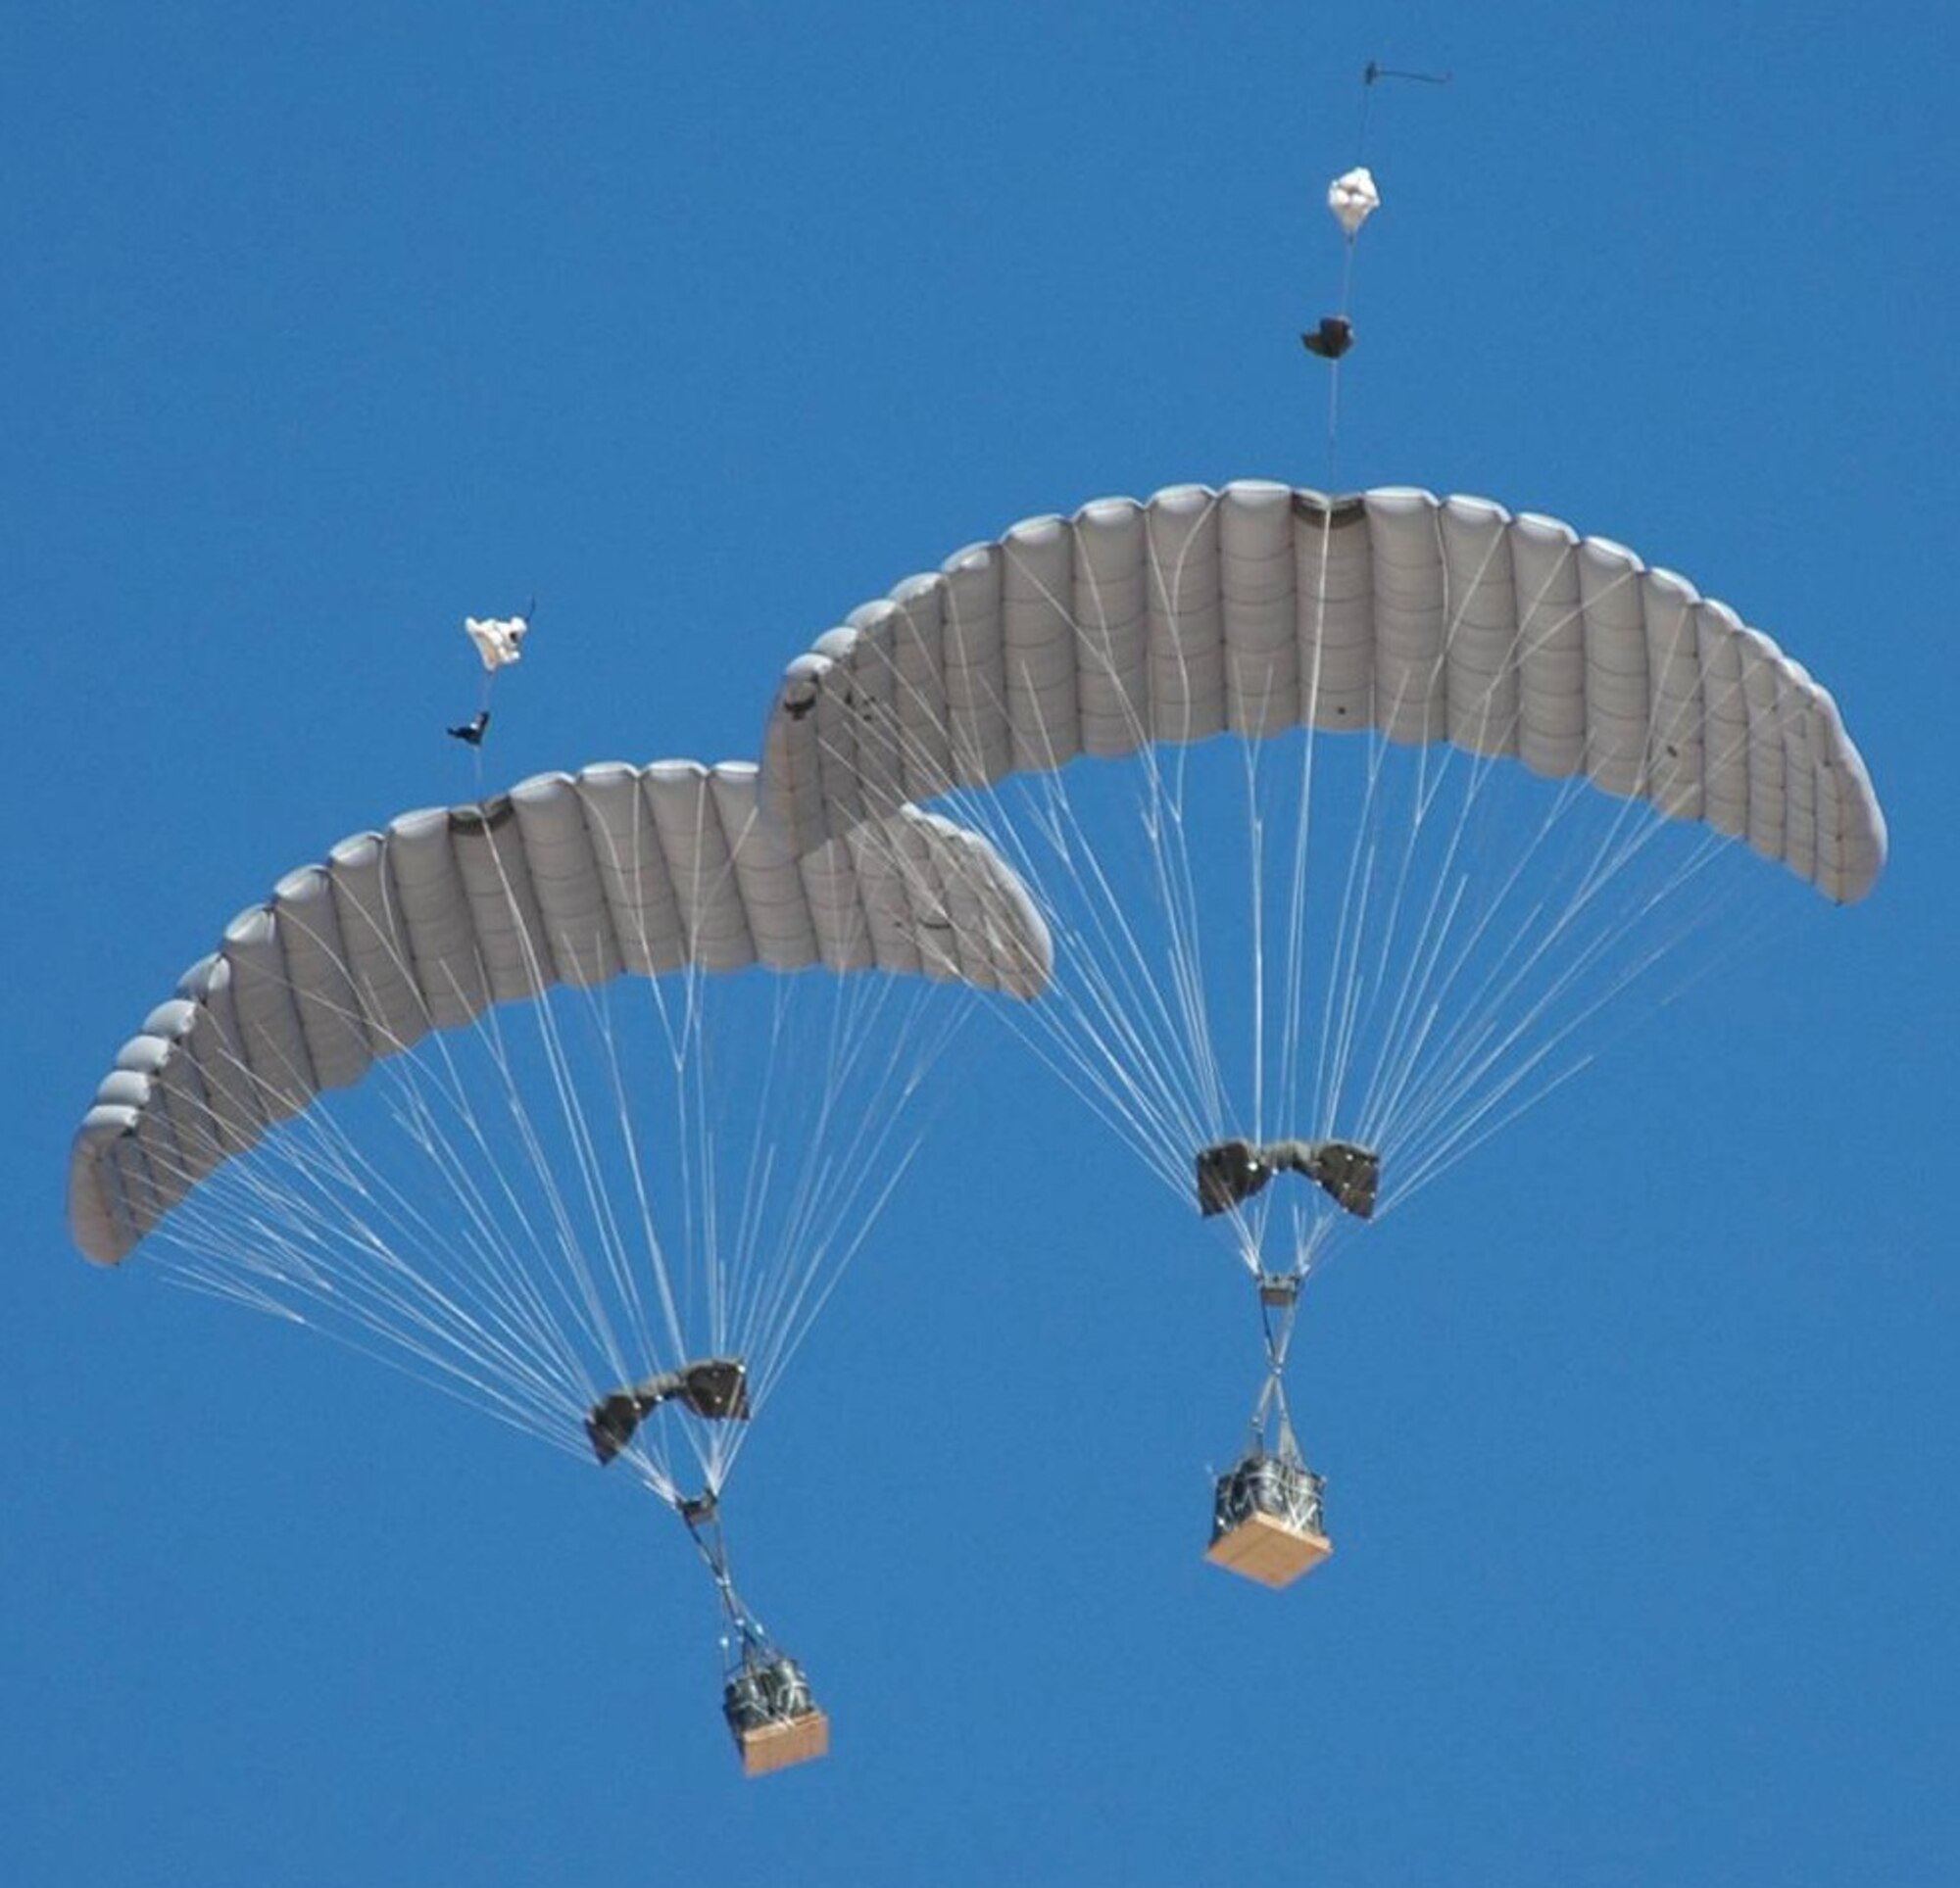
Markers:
point(98, 1218)
point(1799, 846)
point(1849, 852)
point(960, 918)
point(381, 953)
point(1112, 605)
point(565, 877)
point(269, 1023)
point(1409, 599)
point(185, 1099)
point(714, 924)
point(1480, 676)
point(1675, 762)
point(802, 807)
point(1725, 721)
point(1551, 647)
point(632, 868)
point(102, 1203)
point(837, 900)
point(839, 725)
point(1186, 614)
point(112, 1127)
point(435, 918)
point(171, 1165)
point(1616, 666)
point(221, 1053)
point(1024, 949)
point(765, 878)
point(918, 654)
point(488, 844)
point(330, 1014)
point(1258, 615)
point(155, 1140)
point(858, 894)
point(927, 919)
point(1038, 646)
point(1761, 693)
point(112, 1194)
point(881, 634)
point(980, 746)
point(1334, 586)
point(128, 1169)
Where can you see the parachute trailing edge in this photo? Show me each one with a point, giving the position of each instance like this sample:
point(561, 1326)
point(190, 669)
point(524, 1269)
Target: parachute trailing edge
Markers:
point(567, 879)
point(1258, 608)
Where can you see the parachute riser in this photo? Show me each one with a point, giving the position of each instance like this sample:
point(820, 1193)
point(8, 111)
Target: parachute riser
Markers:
point(1272, 1415)
point(745, 1642)
point(1272, 1409)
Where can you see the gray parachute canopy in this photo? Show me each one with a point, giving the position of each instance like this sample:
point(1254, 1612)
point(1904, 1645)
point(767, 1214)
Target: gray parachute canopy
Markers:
point(567, 879)
point(1260, 607)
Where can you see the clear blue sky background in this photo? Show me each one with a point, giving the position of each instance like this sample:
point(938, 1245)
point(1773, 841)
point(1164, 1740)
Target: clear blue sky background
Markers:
point(324, 327)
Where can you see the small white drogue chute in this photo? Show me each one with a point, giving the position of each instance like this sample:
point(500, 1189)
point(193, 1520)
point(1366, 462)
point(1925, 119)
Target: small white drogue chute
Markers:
point(499, 639)
point(1353, 199)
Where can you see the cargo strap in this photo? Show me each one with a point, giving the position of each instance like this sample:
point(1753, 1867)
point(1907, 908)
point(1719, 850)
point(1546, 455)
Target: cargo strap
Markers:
point(748, 1643)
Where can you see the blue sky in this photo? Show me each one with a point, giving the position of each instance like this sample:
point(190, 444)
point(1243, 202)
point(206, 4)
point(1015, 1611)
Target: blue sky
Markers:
point(704, 324)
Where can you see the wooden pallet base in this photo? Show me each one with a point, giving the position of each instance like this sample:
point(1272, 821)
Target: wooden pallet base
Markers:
point(775, 1747)
point(1268, 1551)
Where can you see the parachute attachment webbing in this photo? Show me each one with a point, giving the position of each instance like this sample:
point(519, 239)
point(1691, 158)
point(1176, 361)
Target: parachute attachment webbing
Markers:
point(1231, 1172)
point(716, 1387)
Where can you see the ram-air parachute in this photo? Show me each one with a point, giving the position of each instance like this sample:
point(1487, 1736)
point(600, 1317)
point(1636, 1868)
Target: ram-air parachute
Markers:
point(1555, 762)
point(487, 1093)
